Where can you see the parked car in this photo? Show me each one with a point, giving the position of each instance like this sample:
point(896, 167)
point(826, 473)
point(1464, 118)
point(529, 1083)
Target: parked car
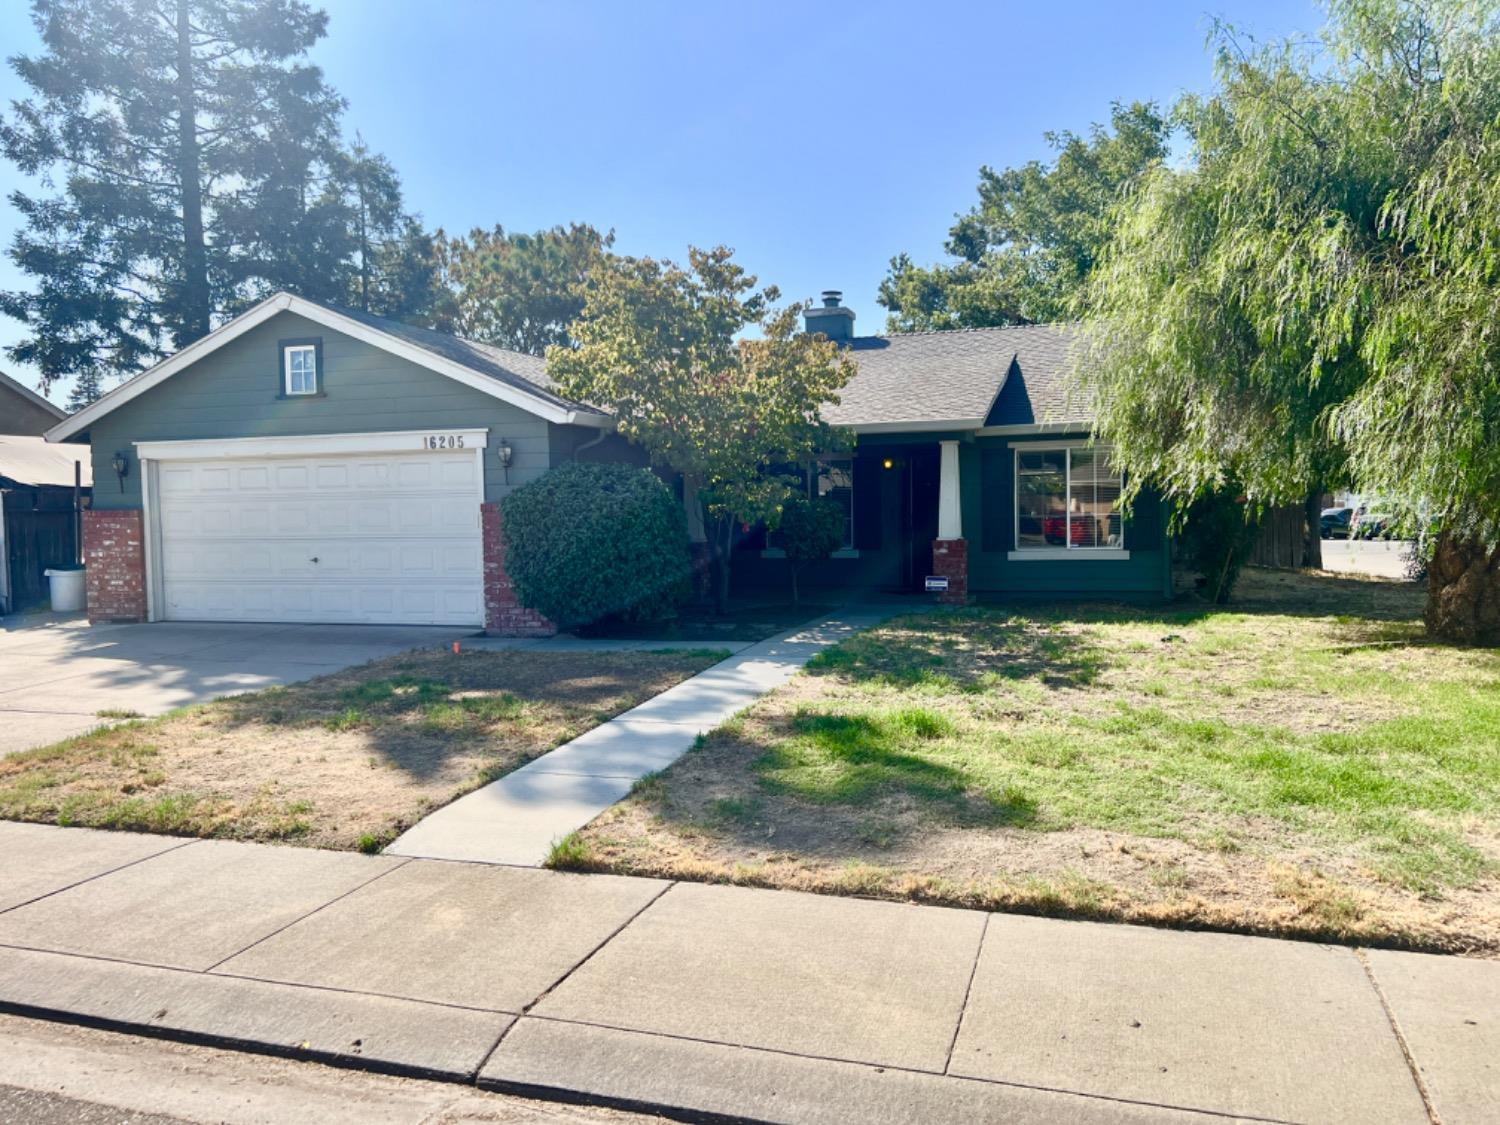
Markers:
point(1335, 522)
point(1373, 525)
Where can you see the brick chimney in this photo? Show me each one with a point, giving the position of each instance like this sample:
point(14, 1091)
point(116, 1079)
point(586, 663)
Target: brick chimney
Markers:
point(832, 319)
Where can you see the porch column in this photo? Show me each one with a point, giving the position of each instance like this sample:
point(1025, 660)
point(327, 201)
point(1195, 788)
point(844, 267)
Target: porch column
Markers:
point(950, 553)
point(950, 521)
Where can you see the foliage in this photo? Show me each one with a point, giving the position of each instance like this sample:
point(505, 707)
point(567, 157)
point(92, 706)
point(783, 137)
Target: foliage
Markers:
point(519, 291)
point(659, 346)
point(1218, 533)
point(199, 167)
point(1314, 295)
point(809, 531)
point(584, 541)
point(1026, 249)
point(87, 389)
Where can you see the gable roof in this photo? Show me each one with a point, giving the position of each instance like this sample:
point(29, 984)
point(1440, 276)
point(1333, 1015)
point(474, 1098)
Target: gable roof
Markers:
point(22, 391)
point(958, 380)
point(512, 377)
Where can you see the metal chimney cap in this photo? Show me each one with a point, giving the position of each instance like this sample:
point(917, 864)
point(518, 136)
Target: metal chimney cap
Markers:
point(832, 298)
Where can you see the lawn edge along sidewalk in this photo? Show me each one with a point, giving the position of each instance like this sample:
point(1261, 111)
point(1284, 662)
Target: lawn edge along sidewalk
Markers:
point(516, 819)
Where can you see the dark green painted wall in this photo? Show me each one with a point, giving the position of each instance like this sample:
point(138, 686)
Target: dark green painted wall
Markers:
point(233, 392)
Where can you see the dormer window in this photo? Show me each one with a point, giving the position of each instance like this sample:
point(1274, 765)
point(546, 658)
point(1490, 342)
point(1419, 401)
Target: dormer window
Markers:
point(299, 369)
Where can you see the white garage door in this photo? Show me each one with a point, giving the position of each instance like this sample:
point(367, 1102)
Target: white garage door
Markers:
point(387, 538)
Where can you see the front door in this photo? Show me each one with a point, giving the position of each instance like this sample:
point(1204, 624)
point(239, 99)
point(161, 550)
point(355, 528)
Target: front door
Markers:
point(921, 521)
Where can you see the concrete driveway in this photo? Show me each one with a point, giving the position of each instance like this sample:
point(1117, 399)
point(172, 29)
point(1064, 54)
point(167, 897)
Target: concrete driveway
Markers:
point(57, 675)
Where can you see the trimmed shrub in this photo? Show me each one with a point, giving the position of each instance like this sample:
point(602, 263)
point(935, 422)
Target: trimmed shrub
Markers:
point(587, 541)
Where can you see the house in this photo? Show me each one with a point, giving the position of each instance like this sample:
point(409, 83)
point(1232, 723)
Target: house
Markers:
point(310, 463)
point(971, 464)
point(38, 525)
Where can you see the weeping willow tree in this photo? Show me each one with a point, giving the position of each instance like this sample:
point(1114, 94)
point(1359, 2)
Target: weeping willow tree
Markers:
point(1313, 296)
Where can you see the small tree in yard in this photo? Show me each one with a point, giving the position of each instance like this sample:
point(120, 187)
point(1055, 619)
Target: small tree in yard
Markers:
point(660, 347)
point(586, 541)
point(1315, 295)
point(810, 531)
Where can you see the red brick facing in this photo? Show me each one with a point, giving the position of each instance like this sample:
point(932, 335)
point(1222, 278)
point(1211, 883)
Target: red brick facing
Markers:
point(503, 615)
point(114, 547)
point(950, 559)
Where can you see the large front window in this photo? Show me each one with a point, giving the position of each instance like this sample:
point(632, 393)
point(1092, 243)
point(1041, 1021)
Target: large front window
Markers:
point(1067, 499)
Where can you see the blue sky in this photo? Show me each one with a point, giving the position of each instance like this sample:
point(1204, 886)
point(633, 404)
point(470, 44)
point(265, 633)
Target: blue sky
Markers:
point(817, 140)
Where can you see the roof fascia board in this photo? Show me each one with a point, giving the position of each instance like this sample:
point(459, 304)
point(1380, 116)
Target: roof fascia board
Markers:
point(1082, 426)
point(926, 427)
point(31, 396)
point(286, 302)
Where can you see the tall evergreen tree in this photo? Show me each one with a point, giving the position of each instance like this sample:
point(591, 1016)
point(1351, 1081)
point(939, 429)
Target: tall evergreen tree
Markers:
point(87, 390)
point(197, 163)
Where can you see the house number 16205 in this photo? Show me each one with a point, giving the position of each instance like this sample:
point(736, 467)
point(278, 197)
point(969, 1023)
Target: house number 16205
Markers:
point(445, 441)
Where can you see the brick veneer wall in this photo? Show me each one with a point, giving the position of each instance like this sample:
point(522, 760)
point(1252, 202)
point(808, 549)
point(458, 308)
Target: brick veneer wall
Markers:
point(114, 547)
point(950, 559)
point(503, 615)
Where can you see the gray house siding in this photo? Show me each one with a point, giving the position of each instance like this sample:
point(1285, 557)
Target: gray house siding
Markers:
point(236, 392)
point(22, 416)
point(987, 476)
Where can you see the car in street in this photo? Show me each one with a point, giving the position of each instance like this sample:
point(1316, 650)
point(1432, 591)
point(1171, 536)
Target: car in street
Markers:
point(1335, 522)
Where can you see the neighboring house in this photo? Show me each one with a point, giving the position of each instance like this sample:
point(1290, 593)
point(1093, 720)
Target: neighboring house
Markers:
point(37, 524)
point(308, 463)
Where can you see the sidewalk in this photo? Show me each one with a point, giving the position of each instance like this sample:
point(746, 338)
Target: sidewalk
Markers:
point(746, 1004)
point(518, 818)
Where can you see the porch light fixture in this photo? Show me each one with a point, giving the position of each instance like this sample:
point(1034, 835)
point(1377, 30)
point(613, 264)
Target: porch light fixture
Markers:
point(505, 453)
point(121, 464)
point(888, 464)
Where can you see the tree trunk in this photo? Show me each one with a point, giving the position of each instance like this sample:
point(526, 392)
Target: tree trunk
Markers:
point(723, 541)
point(1463, 592)
point(197, 303)
point(1312, 530)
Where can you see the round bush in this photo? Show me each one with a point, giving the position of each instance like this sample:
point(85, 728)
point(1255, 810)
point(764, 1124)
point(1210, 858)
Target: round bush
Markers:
point(587, 541)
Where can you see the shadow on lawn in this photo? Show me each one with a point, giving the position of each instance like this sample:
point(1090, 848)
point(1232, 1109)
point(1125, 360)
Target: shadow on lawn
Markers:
point(425, 711)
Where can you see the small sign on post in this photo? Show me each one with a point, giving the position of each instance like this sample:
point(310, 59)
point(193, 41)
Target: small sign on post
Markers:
point(937, 584)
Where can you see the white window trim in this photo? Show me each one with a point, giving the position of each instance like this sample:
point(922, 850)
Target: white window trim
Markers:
point(1053, 554)
point(1075, 554)
point(286, 369)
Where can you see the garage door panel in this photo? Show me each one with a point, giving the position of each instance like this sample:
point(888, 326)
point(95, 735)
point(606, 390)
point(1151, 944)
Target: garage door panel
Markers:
point(396, 538)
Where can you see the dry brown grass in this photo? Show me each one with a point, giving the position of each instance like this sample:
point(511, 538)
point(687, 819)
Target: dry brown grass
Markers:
point(343, 761)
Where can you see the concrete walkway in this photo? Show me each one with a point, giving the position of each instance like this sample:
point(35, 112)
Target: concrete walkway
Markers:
point(745, 1004)
point(518, 818)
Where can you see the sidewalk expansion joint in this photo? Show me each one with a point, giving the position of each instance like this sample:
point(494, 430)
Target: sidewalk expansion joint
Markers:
point(401, 862)
point(963, 1010)
point(1411, 1062)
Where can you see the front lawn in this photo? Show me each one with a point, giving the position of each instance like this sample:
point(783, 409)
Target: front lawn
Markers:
point(343, 761)
point(1302, 762)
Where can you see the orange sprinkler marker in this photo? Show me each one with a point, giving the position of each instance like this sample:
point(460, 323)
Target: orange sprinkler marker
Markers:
point(455, 648)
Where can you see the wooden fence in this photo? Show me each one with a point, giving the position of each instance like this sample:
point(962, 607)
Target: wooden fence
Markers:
point(1280, 542)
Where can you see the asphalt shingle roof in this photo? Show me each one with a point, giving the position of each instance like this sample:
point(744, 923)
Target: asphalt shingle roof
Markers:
point(524, 372)
point(954, 377)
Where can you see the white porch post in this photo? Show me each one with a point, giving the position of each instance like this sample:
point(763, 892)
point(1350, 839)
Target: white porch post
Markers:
point(950, 522)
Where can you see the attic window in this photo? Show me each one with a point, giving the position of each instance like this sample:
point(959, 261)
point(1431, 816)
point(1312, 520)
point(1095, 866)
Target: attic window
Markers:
point(300, 369)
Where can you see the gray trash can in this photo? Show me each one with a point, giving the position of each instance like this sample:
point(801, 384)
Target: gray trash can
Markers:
point(67, 588)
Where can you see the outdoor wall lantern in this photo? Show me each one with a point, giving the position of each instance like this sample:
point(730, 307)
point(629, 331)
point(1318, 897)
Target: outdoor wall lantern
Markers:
point(888, 463)
point(121, 463)
point(505, 453)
